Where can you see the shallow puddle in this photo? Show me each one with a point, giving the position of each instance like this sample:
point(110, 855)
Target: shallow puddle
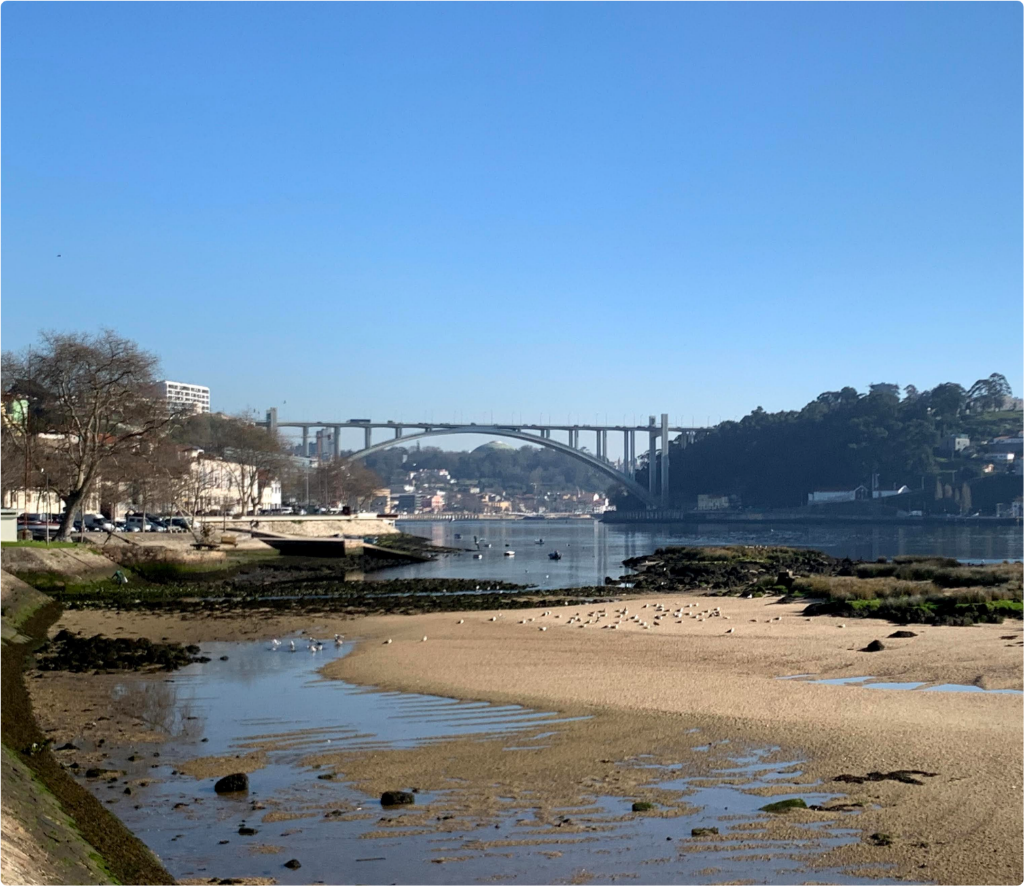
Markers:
point(259, 698)
point(912, 685)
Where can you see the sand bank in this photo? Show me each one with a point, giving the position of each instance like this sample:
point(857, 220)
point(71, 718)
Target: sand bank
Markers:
point(645, 688)
point(968, 816)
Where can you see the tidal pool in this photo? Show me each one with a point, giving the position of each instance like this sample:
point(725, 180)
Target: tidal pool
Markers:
point(259, 697)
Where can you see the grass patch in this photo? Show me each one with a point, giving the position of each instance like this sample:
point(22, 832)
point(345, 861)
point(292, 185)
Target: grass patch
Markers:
point(39, 544)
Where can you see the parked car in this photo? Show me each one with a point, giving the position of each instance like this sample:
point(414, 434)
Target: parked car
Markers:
point(40, 525)
point(98, 523)
point(179, 524)
point(135, 523)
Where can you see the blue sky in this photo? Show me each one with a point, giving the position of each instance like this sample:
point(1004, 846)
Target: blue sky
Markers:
point(417, 211)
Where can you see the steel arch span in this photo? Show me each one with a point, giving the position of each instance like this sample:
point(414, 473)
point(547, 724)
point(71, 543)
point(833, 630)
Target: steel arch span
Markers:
point(492, 431)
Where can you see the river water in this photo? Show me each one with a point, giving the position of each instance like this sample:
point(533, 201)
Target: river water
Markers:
point(250, 695)
point(591, 550)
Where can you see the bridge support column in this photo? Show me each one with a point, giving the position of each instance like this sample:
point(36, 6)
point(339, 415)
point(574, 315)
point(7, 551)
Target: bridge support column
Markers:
point(398, 433)
point(367, 438)
point(604, 445)
point(652, 457)
point(335, 442)
point(664, 459)
point(627, 467)
point(598, 451)
point(272, 420)
point(305, 441)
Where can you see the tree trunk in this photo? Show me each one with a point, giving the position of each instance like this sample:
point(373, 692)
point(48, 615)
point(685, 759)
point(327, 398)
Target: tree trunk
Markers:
point(71, 503)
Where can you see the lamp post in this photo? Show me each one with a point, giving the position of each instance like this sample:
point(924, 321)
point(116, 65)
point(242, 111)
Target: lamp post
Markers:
point(46, 481)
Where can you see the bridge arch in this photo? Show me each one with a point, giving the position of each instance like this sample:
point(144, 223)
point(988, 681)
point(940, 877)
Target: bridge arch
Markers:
point(494, 431)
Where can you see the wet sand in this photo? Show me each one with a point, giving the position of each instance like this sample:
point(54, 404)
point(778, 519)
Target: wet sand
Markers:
point(969, 815)
point(644, 688)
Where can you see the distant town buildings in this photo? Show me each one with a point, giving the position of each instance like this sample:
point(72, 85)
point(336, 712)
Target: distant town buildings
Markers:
point(197, 397)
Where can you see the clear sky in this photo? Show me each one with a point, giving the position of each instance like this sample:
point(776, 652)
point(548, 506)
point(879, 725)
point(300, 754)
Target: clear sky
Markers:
point(444, 211)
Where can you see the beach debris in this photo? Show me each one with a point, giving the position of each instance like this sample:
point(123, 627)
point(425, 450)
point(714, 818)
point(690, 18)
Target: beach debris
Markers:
point(397, 798)
point(424, 638)
point(387, 642)
point(730, 630)
point(237, 781)
point(461, 621)
point(244, 831)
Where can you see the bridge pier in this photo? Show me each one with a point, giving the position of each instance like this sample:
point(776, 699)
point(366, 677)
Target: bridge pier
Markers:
point(367, 438)
point(664, 459)
point(272, 420)
point(652, 456)
point(305, 441)
point(597, 445)
point(398, 433)
point(335, 442)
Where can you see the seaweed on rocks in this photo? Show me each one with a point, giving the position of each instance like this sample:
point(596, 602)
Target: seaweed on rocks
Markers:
point(69, 652)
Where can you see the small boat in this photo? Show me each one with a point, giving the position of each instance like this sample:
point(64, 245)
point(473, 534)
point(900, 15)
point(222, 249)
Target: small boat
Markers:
point(478, 556)
point(510, 553)
point(458, 535)
point(554, 555)
point(487, 545)
point(539, 541)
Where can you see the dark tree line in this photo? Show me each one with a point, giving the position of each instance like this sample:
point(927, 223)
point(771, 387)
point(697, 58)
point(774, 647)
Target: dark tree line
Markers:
point(839, 440)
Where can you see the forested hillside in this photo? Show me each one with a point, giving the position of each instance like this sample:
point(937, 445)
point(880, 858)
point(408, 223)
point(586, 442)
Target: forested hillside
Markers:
point(839, 440)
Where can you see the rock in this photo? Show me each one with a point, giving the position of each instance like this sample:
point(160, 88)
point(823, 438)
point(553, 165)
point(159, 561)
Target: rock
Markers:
point(396, 798)
point(294, 864)
point(642, 806)
point(97, 772)
point(901, 635)
point(874, 646)
point(223, 658)
point(237, 781)
point(704, 832)
point(67, 747)
point(881, 839)
point(246, 832)
point(785, 805)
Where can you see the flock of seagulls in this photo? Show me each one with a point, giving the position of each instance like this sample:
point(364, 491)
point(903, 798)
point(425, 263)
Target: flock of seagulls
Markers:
point(312, 644)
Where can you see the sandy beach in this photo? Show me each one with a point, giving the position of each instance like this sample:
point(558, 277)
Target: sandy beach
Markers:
point(644, 688)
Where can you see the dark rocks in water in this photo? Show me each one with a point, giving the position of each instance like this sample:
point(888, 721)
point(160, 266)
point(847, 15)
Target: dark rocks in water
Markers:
point(294, 864)
point(237, 781)
point(704, 832)
point(785, 805)
point(223, 658)
point(642, 806)
point(97, 772)
point(128, 791)
point(874, 646)
point(192, 649)
point(204, 739)
point(397, 798)
point(99, 654)
point(327, 776)
point(901, 635)
point(67, 747)
point(906, 776)
point(246, 832)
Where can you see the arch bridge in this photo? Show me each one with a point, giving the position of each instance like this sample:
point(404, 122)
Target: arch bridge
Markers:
point(328, 433)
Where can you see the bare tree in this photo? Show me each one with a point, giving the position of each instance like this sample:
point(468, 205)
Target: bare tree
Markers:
point(345, 481)
point(92, 398)
point(254, 460)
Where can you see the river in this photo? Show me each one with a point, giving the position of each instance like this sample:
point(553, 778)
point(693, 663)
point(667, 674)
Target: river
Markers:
point(591, 550)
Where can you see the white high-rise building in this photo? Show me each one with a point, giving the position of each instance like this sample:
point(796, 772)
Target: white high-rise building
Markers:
point(195, 396)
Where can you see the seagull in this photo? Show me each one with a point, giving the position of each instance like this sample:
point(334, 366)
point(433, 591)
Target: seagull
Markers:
point(291, 643)
point(387, 642)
